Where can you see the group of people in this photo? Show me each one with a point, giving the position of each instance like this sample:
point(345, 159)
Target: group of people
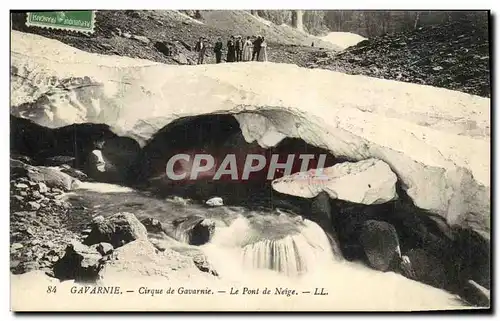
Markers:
point(252, 49)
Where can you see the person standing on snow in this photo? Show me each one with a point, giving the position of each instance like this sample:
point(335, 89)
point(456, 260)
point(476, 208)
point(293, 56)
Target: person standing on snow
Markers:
point(256, 48)
point(231, 50)
point(263, 51)
point(218, 50)
point(200, 48)
point(238, 48)
point(247, 49)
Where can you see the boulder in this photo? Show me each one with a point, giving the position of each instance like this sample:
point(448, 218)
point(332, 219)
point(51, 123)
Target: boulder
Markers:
point(50, 176)
point(427, 268)
point(321, 213)
point(194, 230)
point(181, 59)
point(164, 47)
point(215, 201)
point(381, 245)
point(80, 262)
point(152, 225)
point(75, 173)
point(199, 258)
point(118, 229)
point(368, 182)
point(140, 258)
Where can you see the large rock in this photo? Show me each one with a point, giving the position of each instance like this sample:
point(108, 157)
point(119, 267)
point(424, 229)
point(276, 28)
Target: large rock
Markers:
point(435, 140)
point(81, 262)
point(118, 229)
point(381, 245)
point(368, 182)
point(321, 213)
point(194, 230)
point(427, 268)
point(140, 258)
point(200, 260)
point(50, 176)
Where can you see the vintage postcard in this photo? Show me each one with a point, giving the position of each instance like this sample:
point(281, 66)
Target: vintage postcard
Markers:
point(250, 160)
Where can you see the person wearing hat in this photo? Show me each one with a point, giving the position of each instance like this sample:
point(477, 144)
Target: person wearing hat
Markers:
point(200, 48)
point(231, 50)
point(256, 48)
point(238, 46)
point(218, 50)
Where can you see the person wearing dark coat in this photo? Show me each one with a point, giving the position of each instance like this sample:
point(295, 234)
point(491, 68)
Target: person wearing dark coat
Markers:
point(239, 48)
point(218, 50)
point(200, 48)
point(231, 50)
point(256, 48)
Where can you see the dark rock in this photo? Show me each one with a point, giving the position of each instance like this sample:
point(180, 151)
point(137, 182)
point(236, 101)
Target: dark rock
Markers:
point(80, 262)
point(164, 48)
point(321, 214)
point(427, 268)
point(469, 258)
point(194, 230)
point(381, 245)
point(118, 229)
point(152, 225)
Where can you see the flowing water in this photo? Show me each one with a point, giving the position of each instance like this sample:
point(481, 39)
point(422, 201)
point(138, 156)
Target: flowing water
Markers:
point(271, 248)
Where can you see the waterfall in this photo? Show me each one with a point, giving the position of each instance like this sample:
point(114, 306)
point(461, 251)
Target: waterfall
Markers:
point(284, 244)
point(291, 255)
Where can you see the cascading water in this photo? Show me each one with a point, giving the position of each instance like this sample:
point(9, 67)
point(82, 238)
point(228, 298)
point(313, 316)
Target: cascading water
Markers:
point(291, 255)
point(283, 243)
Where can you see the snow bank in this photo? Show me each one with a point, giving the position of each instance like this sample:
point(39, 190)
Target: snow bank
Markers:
point(343, 39)
point(437, 141)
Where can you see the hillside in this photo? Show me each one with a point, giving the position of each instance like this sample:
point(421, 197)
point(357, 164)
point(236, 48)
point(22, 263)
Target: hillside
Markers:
point(169, 36)
point(243, 23)
point(453, 55)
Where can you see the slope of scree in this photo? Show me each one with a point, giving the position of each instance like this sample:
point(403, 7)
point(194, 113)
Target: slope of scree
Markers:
point(240, 22)
point(454, 56)
point(140, 34)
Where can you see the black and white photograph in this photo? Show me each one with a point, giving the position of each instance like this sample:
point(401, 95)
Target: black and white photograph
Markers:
point(250, 160)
